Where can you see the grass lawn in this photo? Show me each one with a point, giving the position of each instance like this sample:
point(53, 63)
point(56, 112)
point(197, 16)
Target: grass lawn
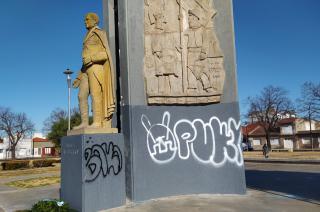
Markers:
point(22, 172)
point(34, 182)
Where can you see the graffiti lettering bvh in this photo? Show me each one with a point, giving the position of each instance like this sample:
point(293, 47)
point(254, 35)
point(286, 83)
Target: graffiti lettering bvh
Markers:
point(102, 159)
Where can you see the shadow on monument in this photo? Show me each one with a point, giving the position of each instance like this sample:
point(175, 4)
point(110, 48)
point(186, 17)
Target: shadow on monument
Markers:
point(299, 185)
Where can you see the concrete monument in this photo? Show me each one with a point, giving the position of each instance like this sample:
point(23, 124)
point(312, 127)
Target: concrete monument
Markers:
point(95, 77)
point(179, 106)
point(184, 63)
point(178, 114)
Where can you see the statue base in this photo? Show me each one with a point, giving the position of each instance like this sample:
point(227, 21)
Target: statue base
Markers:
point(91, 130)
point(93, 171)
point(183, 150)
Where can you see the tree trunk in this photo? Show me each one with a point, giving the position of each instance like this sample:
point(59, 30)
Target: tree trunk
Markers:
point(13, 152)
point(268, 140)
point(310, 131)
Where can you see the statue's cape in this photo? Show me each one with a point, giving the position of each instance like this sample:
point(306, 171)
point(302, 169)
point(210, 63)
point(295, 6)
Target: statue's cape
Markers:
point(108, 89)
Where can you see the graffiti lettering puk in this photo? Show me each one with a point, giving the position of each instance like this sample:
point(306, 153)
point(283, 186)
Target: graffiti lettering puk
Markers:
point(195, 138)
point(102, 160)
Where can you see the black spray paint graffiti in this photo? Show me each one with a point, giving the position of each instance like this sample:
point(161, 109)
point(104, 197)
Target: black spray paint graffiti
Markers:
point(214, 142)
point(102, 159)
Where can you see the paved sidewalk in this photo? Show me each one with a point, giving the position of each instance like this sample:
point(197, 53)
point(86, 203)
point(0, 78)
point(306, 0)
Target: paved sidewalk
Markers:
point(253, 201)
point(21, 199)
point(12, 199)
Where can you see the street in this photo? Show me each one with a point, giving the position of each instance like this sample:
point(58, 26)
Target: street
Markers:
point(292, 180)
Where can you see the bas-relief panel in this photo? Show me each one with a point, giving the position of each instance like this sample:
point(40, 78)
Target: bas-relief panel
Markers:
point(183, 61)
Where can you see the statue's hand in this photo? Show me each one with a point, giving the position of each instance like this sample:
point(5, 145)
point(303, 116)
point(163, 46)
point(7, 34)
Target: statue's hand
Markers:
point(76, 83)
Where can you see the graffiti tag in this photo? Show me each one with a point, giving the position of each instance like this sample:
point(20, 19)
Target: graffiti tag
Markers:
point(102, 160)
point(194, 138)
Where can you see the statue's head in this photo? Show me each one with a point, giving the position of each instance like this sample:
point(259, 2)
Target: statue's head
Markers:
point(159, 19)
point(91, 20)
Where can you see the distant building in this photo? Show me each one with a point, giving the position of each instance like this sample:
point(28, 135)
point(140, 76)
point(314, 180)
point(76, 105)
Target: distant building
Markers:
point(42, 147)
point(291, 133)
point(23, 148)
point(38, 146)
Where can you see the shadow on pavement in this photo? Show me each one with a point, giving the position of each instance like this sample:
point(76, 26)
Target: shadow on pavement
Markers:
point(299, 185)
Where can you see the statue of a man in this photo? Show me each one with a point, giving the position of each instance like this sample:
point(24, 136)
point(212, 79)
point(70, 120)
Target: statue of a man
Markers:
point(96, 76)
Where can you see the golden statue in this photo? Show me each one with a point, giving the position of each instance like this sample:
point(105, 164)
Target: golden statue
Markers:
point(95, 77)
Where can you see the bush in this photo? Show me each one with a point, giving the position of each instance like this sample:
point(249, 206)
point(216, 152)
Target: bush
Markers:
point(16, 164)
point(51, 206)
point(42, 163)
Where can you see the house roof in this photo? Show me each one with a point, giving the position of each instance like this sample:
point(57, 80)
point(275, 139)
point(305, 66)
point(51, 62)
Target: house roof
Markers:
point(40, 140)
point(255, 129)
point(247, 129)
point(286, 121)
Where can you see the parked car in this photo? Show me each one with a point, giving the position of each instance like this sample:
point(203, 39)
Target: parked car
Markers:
point(247, 147)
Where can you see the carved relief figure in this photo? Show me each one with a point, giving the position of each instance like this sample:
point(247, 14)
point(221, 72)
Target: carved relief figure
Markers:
point(95, 77)
point(162, 49)
point(183, 60)
point(165, 52)
point(197, 52)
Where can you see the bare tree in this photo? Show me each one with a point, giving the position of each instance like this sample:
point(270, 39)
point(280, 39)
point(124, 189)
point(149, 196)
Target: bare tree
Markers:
point(309, 104)
point(266, 108)
point(316, 91)
point(16, 126)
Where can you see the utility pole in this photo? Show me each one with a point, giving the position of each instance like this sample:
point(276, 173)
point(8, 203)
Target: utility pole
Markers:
point(68, 73)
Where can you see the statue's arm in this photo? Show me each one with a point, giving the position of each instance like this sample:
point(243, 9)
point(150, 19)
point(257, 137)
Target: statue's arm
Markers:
point(101, 56)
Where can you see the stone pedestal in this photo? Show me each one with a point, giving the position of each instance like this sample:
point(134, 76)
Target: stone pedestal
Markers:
point(184, 150)
point(93, 171)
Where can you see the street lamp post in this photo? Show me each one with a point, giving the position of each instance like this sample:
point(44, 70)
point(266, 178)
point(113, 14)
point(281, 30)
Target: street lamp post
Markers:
point(68, 72)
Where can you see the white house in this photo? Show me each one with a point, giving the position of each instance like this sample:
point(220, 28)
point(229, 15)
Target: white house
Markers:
point(23, 148)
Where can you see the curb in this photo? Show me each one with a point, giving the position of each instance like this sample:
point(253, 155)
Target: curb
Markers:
point(317, 162)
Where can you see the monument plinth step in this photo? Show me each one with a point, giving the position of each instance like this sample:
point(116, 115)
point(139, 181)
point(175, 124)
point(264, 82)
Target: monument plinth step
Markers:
point(91, 130)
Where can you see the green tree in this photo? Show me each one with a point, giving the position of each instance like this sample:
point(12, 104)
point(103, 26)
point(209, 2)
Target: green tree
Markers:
point(56, 126)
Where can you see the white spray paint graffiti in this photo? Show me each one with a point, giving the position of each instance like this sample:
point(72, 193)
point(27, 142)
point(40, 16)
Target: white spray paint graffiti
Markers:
point(189, 137)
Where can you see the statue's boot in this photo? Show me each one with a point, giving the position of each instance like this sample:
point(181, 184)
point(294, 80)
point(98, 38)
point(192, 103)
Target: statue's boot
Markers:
point(84, 123)
point(84, 117)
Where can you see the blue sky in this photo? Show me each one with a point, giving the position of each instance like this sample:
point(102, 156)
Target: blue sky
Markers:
point(39, 40)
point(277, 41)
